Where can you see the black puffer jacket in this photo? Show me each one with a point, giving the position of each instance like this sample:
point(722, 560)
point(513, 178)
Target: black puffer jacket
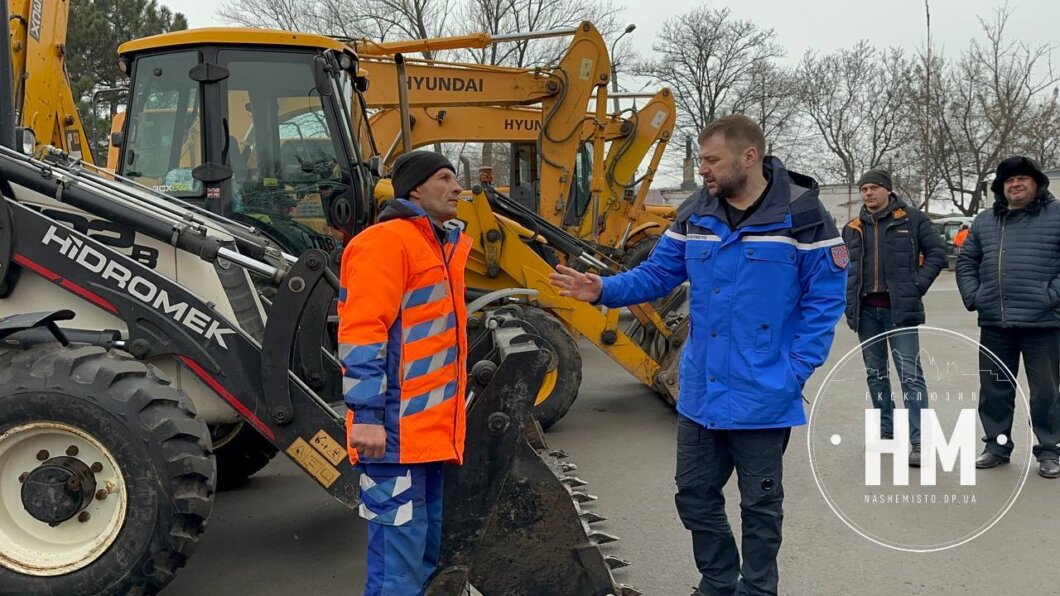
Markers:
point(1009, 266)
point(901, 235)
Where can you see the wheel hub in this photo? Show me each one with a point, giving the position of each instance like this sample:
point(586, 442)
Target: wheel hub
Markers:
point(58, 490)
point(57, 514)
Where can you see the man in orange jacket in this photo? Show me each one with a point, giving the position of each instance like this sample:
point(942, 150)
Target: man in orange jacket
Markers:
point(403, 344)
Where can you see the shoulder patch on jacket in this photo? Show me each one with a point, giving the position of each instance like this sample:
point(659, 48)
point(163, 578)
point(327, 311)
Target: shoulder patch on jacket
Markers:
point(899, 213)
point(840, 256)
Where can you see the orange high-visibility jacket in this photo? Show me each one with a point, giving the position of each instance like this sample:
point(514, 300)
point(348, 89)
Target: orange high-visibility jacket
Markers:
point(402, 338)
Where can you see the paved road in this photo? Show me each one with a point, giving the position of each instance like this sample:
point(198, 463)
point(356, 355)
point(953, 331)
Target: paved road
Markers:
point(282, 536)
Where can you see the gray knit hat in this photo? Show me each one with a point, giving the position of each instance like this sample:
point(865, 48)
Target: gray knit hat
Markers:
point(877, 176)
point(414, 168)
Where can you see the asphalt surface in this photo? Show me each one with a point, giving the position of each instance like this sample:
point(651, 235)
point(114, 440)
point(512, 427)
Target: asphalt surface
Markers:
point(281, 535)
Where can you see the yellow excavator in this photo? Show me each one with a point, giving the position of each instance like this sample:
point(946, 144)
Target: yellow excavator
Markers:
point(601, 208)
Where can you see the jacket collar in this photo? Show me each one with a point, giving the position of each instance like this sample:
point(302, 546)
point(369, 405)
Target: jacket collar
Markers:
point(897, 208)
point(405, 209)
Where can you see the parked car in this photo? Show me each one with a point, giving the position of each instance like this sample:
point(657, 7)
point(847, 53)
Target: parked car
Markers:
point(948, 228)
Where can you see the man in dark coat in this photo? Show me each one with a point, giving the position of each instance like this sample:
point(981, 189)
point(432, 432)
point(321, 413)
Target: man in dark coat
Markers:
point(1009, 271)
point(885, 286)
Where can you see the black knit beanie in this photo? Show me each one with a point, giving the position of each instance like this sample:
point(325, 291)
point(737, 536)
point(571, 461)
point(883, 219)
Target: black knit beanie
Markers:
point(878, 177)
point(414, 168)
point(1018, 165)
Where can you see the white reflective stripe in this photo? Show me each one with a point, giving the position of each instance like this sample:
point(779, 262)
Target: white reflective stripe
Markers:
point(435, 397)
point(437, 361)
point(345, 349)
point(793, 242)
point(420, 296)
point(436, 327)
point(403, 484)
point(706, 237)
point(404, 514)
point(349, 384)
point(675, 235)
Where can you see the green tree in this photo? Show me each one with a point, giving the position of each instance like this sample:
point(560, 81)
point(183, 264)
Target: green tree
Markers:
point(96, 29)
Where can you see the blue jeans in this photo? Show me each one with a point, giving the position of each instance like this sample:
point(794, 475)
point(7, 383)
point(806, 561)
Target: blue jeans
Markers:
point(905, 348)
point(403, 506)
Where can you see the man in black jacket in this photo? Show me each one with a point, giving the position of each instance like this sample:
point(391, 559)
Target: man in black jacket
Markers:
point(1009, 271)
point(885, 286)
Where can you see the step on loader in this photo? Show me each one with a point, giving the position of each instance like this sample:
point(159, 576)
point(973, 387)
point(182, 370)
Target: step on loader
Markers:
point(133, 322)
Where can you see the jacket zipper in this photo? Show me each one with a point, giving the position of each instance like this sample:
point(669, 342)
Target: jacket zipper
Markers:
point(460, 356)
point(861, 283)
point(876, 255)
point(452, 301)
point(1000, 252)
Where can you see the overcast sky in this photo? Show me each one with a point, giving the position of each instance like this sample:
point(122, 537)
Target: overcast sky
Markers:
point(818, 24)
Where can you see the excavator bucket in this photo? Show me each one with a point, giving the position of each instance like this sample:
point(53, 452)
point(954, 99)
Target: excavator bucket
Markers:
point(513, 523)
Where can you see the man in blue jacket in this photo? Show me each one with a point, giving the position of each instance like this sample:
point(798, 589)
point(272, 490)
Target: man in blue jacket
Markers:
point(766, 269)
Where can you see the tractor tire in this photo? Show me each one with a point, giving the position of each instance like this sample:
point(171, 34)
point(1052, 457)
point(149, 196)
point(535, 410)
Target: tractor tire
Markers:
point(639, 252)
point(106, 480)
point(241, 452)
point(564, 379)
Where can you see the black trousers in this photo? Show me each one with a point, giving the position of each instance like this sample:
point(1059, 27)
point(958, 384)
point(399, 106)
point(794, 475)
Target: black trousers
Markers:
point(1040, 349)
point(705, 461)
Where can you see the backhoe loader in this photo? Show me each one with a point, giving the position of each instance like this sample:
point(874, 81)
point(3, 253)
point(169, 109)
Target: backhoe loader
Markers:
point(135, 321)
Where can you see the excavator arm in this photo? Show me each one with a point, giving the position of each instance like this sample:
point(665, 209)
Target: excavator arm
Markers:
point(564, 92)
point(44, 101)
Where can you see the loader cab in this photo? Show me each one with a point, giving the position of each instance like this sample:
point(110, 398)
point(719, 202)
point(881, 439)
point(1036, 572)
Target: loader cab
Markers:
point(252, 125)
point(526, 186)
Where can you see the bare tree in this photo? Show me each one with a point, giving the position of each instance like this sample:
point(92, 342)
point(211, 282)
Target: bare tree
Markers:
point(292, 15)
point(767, 98)
point(986, 101)
point(708, 57)
point(857, 99)
point(1040, 136)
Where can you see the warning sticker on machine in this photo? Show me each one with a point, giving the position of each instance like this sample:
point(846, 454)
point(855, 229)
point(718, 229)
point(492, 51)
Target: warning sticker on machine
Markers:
point(317, 466)
point(328, 447)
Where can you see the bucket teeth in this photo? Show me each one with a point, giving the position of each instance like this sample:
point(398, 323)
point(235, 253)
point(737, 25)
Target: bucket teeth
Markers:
point(573, 481)
point(602, 537)
point(568, 467)
point(624, 590)
point(559, 454)
point(614, 562)
point(591, 518)
point(582, 497)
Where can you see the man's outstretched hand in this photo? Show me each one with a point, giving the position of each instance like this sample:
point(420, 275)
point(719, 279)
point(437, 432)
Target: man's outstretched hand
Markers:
point(577, 285)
